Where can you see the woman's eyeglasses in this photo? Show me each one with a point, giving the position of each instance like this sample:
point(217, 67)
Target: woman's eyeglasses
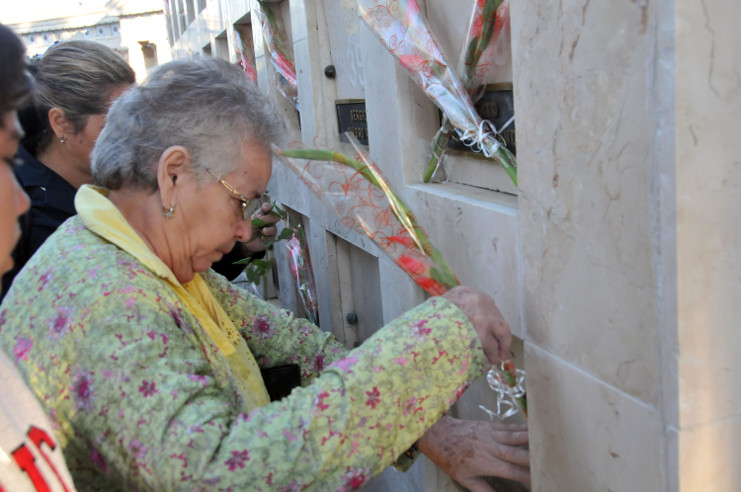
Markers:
point(248, 207)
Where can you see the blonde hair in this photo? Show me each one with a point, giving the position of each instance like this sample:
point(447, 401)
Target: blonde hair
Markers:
point(76, 77)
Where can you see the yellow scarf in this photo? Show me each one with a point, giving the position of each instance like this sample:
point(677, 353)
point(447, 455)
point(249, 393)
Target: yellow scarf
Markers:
point(104, 219)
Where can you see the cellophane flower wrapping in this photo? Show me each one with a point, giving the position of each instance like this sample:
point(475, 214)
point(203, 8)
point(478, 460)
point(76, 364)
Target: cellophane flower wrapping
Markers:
point(300, 263)
point(280, 57)
point(352, 186)
point(405, 33)
point(488, 22)
point(243, 54)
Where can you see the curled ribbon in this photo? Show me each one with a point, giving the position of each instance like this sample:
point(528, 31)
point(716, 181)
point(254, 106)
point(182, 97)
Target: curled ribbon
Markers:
point(507, 396)
point(485, 138)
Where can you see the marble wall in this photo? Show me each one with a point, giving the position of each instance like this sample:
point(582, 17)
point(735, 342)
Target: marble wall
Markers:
point(707, 172)
point(628, 116)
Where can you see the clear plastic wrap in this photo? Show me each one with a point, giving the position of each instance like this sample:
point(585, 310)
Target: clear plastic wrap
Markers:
point(355, 190)
point(280, 57)
point(243, 50)
point(406, 34)
point(489, 20)
point(300, 262)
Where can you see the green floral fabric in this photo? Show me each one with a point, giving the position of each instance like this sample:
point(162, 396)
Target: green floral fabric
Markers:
point(141, 398)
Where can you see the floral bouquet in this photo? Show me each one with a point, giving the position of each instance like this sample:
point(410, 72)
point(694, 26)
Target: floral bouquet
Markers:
point(298, 257)
point(488, 20)
point(280, 57)
point(405, 33)
point(355, 190)
point(243, 50)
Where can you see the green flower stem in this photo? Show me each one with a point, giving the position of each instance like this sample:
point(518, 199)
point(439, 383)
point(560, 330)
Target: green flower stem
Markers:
point(488, 17)
point(511, 380)
point(503, 155)
point(273, 24)
point(439, 145)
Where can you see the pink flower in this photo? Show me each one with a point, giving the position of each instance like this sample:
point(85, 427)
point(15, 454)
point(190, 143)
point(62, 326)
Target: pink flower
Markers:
point(355, 478)
point(148, 388)
point(238, 459)
point(346, 363)
point(262, 327)
point(22, 348)
point(58, 325)
point(196, 378)
point(374, 397)
point(138, 449)
point(43, 281)
point(97, 459)
point(83, 391)
point(321, 404)
point(419, 330)
point(410, 406)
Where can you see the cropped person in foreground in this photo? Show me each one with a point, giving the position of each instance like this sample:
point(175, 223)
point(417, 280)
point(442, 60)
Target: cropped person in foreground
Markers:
point(149, 361)
point(30, 458)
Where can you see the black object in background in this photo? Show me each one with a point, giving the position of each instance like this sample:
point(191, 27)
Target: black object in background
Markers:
point(280, 380)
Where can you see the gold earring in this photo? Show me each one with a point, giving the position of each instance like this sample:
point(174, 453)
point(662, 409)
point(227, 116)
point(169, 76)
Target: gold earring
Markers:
point(63, 138)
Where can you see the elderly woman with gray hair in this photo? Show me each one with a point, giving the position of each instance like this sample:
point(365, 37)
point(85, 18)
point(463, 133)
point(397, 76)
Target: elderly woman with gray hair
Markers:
point(149, 362)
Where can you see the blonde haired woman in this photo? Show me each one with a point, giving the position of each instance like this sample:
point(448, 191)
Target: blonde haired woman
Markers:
point(76, 82)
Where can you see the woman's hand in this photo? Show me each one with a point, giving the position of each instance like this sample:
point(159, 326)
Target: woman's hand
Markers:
point(264, 233)
point(469, 450)
point(489, 323)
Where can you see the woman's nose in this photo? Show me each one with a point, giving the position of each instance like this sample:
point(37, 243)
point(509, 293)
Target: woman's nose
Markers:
point(244, 230)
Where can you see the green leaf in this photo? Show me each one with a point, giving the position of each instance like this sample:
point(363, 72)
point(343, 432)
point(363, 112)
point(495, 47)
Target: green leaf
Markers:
point(277, 210)
point(286, 233)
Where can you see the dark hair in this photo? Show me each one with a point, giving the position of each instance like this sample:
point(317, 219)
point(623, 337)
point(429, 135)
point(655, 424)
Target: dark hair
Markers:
point(15, 84)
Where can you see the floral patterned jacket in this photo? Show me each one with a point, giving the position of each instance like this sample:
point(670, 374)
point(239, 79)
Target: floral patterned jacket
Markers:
point(138, 397)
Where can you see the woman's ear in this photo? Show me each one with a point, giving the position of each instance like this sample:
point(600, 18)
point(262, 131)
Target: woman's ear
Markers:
point(173, 162)
point(59, 123)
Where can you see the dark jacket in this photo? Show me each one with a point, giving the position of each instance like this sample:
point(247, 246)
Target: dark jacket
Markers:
point(52, 202)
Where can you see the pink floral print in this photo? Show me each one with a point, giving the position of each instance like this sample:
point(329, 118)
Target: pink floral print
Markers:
point(144, 400)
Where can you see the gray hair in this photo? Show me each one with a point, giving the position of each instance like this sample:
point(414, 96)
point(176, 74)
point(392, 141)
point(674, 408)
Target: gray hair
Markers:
point(206, 105)
point(76, 76)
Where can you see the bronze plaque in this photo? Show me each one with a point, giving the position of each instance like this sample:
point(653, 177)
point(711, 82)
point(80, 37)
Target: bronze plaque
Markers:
point(496, 105)
point(351, 118)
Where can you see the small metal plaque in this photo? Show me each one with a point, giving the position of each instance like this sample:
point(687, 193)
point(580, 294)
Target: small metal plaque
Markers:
point(351, 117)
point(496, 105)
